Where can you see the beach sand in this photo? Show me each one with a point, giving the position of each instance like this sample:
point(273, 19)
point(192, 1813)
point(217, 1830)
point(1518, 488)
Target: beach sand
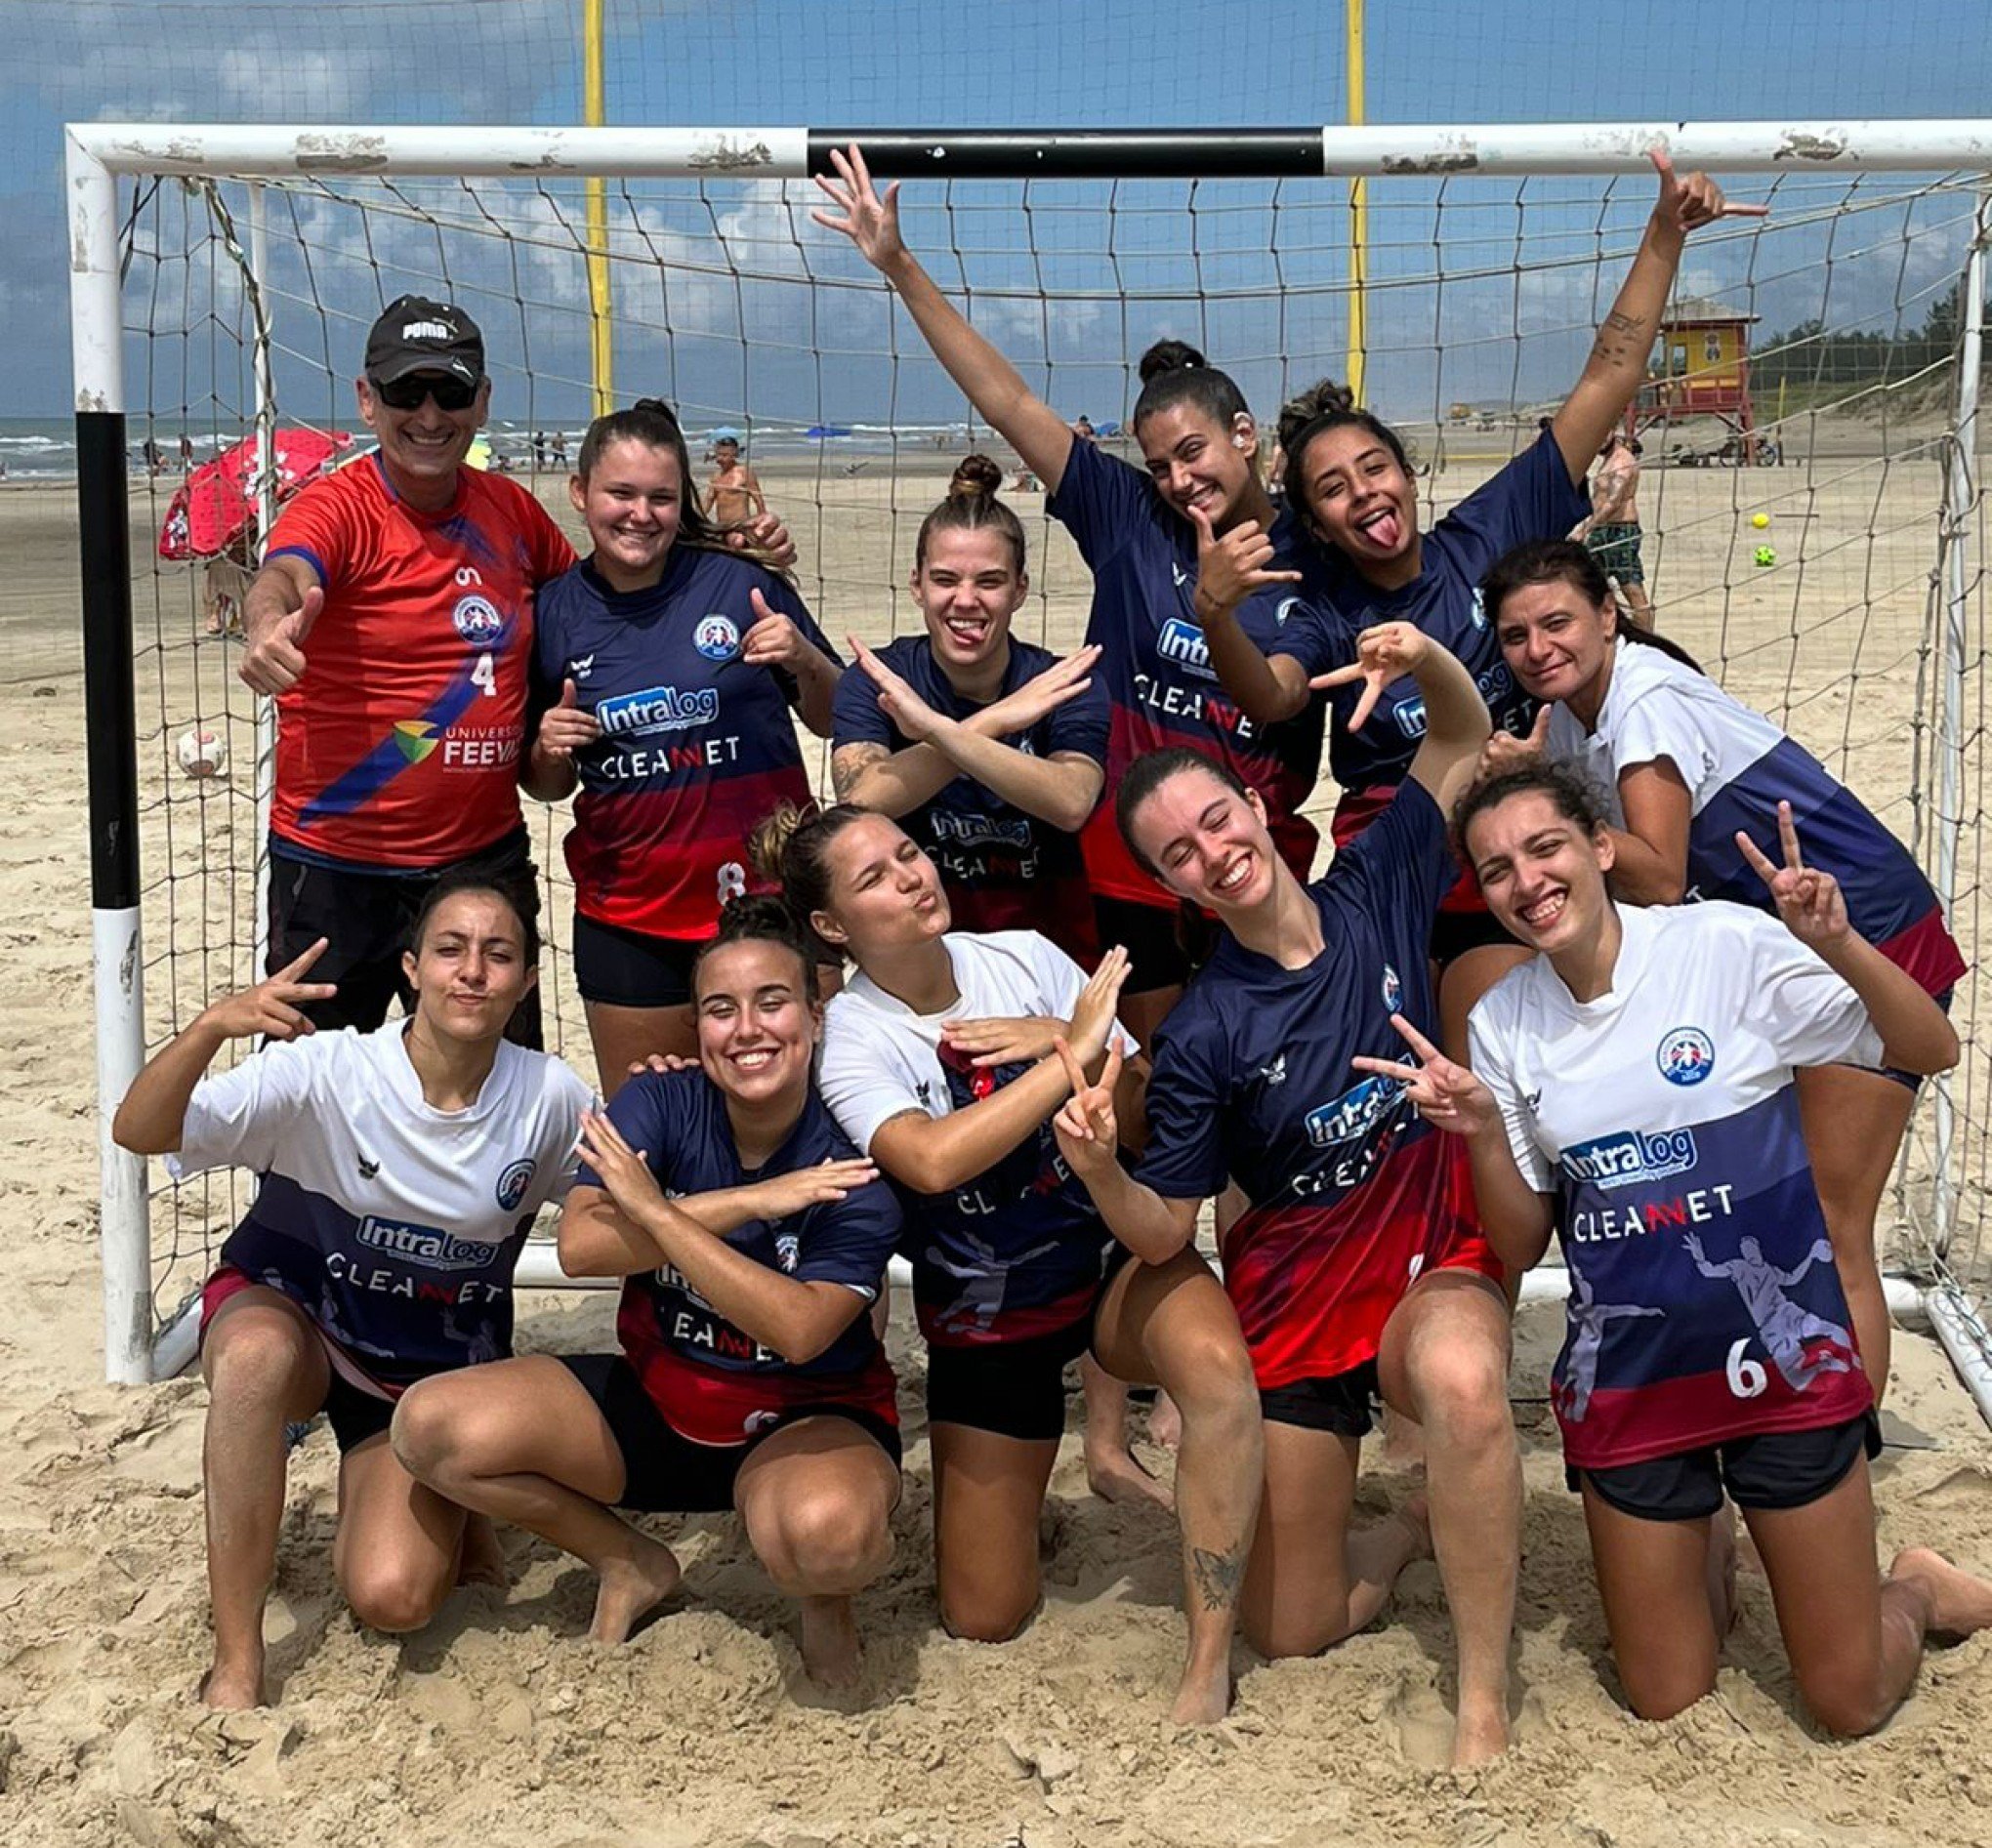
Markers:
point(499, 1726)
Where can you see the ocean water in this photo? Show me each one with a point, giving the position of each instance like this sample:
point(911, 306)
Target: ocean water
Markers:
point(44, 448)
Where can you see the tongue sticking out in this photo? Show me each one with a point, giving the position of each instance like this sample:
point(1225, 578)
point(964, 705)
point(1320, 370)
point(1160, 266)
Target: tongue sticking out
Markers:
point(1386, 532)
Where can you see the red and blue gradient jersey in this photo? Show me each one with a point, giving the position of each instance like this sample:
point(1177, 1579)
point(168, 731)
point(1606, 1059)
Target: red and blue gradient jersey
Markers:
point(1003, 869)
point(1353, 1195)
point(1738, 766)
point(712, 1381)
point(1704, 1302)
point(399, 748)
point(1156, 666)
point(1532, 498)
point(696, 745)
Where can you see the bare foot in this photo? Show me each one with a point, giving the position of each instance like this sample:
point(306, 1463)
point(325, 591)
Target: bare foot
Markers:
point(232, 1687)
point(1114, 1473)
point(632, 1588)
point(1203, 1697)
point(830, 1646)
point(1960, 1604)
point(1481, 1735)
point(1165, 1421)
point(481, 1561)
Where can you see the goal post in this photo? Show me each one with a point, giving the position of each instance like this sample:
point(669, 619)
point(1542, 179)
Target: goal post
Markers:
point(1126, 234)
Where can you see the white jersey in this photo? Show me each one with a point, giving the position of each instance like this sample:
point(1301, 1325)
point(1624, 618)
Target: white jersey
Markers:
point(1738, 767)
point(1704, 1302)
point(1017, 1251)
point(394, 1226)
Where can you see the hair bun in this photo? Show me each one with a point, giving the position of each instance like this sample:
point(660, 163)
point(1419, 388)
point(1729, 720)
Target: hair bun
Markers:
point(975, 478)
point(1169, 356)
point(1323, 399)
point(770, 836)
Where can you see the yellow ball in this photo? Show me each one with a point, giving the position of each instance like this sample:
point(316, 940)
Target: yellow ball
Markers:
point(1759, 520)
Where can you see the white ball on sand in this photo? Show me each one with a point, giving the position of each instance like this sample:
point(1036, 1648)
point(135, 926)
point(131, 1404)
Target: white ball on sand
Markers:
point(203, 752)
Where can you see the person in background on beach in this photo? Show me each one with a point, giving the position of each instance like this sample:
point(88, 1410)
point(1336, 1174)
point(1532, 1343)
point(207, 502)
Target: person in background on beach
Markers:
point(1082, 429)
point(559, 452)
point(1612, 533)
point(733, 490)
point(399, 1172)
point(392, 621)
point(989, 753)
point(665, 668)
point(943, 1062)
point(1358, 1270)
point(1142, 532)
point(1347, 474)
point(1685, 768)
point(1631, 1090)
point(752, 1241)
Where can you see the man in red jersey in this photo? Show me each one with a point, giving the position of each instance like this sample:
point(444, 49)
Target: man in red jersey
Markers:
point(392, 623)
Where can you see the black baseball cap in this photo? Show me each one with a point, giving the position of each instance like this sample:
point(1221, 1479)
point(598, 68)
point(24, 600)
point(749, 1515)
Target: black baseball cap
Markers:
point(417, 335)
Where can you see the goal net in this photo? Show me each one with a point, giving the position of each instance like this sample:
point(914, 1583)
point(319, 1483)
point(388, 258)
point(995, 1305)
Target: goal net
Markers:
point(1812, 528)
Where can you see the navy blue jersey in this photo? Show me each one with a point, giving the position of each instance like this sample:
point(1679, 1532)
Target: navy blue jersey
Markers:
point(1532, 498)
point(1353, 1195)
point(698, 746)
point(1003, 869)
point(1156, 666)
point(713, 1384)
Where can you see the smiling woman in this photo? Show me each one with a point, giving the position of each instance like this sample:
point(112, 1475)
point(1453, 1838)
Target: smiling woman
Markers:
point(665, 666)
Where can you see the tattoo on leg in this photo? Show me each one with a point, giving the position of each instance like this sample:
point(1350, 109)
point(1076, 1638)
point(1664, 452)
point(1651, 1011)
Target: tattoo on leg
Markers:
point(1217, 1575)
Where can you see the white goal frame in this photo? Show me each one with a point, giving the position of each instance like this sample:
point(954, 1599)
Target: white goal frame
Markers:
point(99, 154)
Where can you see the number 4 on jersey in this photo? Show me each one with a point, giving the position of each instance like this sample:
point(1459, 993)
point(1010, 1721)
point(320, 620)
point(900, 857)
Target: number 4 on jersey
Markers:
point(485, 674)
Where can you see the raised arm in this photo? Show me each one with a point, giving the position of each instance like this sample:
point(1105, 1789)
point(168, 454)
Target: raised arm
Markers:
point(1456, 722)
point(153, 1114)
point(1617, 365)
point(932, 1154)
point(1088, 1128)
point(994, 386)
point(1916, 1035)
point(1268, 687)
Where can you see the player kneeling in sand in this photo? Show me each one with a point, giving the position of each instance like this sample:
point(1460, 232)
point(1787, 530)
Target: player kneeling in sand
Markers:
point(399, 1172)
point(1631, 1090)
point(753, 1242)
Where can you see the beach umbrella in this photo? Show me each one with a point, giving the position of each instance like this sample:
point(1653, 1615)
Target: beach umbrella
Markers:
point(213, 507)
point(723, 433)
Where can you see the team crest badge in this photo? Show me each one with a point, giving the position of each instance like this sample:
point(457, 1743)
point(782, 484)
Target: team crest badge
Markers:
point(512, 1183)
point(1686, 1055)
point(478, 621)
point(715, 637)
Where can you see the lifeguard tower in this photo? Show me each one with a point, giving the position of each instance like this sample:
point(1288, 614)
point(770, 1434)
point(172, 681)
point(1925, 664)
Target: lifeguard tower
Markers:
point(1700, 368)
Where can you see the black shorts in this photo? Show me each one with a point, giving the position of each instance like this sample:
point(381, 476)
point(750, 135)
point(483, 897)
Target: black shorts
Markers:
point(1770, 1469)
point(365, 918)
point(629, 969)
point(667, 1473)
point(1455, 932)
point(1013, 1388)
point(355, 1416)
point(1342, 1403)
point(1151, 936)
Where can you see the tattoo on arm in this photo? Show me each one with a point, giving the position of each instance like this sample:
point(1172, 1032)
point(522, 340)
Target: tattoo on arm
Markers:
point(1217, 1575)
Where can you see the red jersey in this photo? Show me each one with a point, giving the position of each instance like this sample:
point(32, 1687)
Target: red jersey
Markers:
point(399, 747)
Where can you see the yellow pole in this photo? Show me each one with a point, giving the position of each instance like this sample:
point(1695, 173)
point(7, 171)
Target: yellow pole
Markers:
point(599, 300)
point(1359, 210)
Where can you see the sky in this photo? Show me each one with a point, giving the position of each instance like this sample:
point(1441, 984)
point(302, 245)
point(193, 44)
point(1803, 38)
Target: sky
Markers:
point(715, 297)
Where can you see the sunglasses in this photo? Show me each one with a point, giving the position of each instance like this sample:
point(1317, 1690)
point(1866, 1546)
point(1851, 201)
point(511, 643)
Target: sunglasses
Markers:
point(407, 395)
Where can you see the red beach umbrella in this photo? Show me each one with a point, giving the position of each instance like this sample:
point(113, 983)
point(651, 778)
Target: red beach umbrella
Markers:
point(215, 505)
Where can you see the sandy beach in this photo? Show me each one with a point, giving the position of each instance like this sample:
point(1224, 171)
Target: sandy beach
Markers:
point(499, 1726)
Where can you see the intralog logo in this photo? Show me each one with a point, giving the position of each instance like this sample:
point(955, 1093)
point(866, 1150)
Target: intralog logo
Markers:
point(1355, 1112)
point(1184, 645)
point(658, 709)
point(1631, 1157)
